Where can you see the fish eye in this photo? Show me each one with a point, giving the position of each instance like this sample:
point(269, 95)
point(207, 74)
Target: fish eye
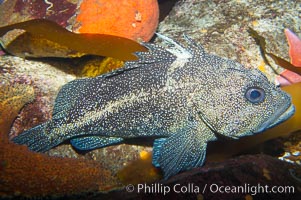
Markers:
point(255, 95)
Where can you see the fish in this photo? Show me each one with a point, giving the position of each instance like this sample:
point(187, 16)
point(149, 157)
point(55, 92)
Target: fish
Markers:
point(175, 93)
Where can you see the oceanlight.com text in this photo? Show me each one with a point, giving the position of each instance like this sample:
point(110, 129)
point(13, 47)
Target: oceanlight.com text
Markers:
point(158, 188)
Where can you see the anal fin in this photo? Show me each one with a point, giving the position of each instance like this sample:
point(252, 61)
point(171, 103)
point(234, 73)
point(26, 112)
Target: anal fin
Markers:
point(94, 142)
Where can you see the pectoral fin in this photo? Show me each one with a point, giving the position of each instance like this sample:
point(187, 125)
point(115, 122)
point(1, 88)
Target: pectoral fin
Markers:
point(94, 142)
point(184, 150)
point(156, 150)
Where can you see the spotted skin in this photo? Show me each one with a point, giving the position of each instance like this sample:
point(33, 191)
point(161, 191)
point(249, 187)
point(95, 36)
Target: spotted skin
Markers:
point(180, 95)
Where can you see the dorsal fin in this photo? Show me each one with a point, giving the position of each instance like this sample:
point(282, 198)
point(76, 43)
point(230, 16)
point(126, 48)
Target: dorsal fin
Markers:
point(191, 50)
point(195, 48)
point(155, 55)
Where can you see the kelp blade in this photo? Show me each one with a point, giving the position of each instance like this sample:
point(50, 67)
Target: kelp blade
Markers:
point(81, 44)
point(279, 61)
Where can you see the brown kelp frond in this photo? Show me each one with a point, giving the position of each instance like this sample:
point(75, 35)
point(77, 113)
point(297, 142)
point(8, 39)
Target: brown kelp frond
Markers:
point(44, 38)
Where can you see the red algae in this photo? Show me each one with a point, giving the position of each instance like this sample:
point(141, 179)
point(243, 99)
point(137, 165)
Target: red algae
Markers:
point(288, 77)
point(294, 47)
point(59, 11)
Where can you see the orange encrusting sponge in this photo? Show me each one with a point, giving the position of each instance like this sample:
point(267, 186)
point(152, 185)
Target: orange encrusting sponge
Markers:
point(136, 19)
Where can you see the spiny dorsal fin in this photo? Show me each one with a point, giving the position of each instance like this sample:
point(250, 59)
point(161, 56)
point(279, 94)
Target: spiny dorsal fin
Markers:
point(191, 50)
point(161, 55)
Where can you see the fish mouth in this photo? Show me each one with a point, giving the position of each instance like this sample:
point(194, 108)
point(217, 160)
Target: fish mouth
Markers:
point(280, 116)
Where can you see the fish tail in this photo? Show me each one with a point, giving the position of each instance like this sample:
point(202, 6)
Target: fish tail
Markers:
point(37, 139)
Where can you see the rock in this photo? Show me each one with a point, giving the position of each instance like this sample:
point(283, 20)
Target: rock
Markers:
point(46, 78)
point(253, 175)
point(222, 27)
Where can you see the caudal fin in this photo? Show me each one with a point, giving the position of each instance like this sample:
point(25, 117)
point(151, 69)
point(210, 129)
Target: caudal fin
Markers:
point(37, 139)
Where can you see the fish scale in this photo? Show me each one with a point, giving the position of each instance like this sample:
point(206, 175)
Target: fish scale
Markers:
point(179, 94)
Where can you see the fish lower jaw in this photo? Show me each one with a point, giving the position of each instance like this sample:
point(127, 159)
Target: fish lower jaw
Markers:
point(278, 118)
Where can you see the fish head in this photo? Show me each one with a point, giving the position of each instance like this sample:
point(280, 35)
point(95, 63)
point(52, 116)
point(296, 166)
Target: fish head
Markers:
point(242, 102)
